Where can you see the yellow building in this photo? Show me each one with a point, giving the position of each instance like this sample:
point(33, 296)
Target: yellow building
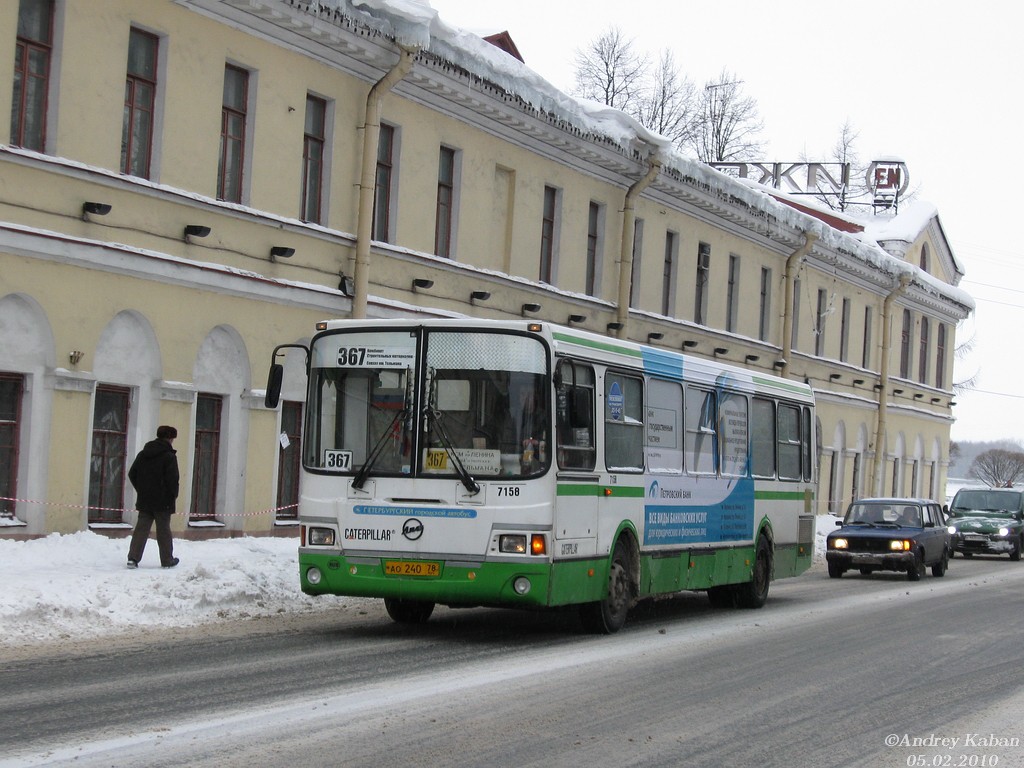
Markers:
point(184, 185)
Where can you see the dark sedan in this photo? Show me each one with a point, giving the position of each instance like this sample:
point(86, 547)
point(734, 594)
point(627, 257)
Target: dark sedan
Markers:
point(987, 521)
point(891, 534)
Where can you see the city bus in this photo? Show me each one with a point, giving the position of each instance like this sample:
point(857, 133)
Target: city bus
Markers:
point(521, 464)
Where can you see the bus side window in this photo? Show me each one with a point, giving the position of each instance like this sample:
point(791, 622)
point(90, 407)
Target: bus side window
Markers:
point(623, 423)
point(790, 451)
point(763, 437)
point(700, 421)
point(663, 446)
point(574, 413)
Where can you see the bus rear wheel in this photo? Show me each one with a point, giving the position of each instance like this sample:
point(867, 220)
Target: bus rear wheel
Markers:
point(754, 594)
point(408, 611)
point(607, 616)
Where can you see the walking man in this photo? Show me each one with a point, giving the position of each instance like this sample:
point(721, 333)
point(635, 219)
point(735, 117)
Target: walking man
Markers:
point(154, 475)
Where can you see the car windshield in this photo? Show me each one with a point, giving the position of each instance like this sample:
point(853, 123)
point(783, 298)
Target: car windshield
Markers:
point(1001, 503)
point(884, 514)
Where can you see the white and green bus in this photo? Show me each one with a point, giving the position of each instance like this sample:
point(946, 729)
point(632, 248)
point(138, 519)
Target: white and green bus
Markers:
point(527, 465)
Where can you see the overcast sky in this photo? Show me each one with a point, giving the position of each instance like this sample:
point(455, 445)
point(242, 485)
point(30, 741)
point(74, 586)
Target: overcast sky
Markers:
point(935, 83)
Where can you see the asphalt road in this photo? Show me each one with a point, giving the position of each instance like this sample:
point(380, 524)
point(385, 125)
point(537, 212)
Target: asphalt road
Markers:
point(830, 672)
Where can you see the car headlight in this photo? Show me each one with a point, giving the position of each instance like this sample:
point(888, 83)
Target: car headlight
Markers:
point(952, 530)
point(839, 544)
point(899, 545)
point(1004, 531)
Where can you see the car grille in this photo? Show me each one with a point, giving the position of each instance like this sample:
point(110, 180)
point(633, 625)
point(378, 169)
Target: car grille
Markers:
point(868, 545)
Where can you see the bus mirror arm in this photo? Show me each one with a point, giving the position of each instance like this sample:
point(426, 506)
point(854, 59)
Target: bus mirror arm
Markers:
point(275, 377)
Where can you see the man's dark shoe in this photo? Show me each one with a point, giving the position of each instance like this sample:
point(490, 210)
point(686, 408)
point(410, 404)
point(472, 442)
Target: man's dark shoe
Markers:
point(133, 564)
point(171, 564)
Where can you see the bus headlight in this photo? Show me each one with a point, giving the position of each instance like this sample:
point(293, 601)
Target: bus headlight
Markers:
point(321, 537)
point(521, 585)
point(512, 544)
point(313, 576)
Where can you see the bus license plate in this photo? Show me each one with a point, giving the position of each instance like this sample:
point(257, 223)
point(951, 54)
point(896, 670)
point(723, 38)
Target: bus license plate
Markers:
point(411, 568)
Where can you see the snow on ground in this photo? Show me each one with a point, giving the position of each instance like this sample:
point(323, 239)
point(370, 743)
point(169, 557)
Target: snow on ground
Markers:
point(76, 586)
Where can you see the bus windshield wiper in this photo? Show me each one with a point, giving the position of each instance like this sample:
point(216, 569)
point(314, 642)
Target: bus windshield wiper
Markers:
point(364, 471)
point(401, 416)
point(433, 416)
point(467, 479)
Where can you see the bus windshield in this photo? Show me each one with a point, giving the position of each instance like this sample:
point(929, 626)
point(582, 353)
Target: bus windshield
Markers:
point(428, 403)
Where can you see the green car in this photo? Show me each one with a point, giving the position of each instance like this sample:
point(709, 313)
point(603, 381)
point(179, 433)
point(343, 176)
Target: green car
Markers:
point(987, 521)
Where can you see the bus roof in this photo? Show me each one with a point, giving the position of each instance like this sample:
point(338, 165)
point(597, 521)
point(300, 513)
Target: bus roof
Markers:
point(574, 342)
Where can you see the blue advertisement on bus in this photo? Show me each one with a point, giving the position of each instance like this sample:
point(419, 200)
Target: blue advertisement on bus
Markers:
point(700, 513)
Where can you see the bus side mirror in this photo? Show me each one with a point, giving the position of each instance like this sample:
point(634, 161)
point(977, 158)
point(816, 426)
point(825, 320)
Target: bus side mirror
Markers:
point(274, 380)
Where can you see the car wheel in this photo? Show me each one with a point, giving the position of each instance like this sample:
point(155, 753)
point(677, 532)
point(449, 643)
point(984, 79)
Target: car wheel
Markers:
point(1015, 552)
point(968, 555)
point(916, 569)
point(939, 568)
point(835, 570)
point(866, 571)
point(408, 611)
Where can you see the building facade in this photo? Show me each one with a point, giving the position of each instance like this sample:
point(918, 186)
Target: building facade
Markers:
point(185, 185)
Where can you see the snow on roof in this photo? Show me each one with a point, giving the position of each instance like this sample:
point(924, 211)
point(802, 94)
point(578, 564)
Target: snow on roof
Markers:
point(911, 221)
point(414, 23)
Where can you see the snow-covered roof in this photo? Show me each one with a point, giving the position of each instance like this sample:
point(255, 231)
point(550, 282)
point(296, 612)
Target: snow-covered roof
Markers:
point(414, 23)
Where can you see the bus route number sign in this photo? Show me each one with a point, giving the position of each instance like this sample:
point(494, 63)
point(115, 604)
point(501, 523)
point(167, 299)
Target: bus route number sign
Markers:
point(375, 356)
point(338, 461)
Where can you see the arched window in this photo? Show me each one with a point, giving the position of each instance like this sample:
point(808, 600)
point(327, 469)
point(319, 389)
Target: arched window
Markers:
point(925, 260)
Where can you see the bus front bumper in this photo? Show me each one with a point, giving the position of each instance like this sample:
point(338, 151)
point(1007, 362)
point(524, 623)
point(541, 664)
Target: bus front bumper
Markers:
point(514, 584)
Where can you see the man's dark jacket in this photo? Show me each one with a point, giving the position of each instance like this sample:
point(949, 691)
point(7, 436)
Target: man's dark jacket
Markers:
point(154, 474)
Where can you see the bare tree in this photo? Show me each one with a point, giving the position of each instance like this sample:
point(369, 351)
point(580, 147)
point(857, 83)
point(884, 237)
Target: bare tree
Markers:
point(668, 104)
point(962, 352)
point(610, 71)
point(729, 124)
point(844, 152)
point(998, 467)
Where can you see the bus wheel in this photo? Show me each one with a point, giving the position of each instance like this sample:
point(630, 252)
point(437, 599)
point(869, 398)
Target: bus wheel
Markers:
point(408, 611)
point(608, 615)
point(754, 594)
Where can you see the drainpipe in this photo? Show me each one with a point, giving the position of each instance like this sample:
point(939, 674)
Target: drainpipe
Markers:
point(883, 380)
point(626, 250)
point(368, 176)
point(792, 267)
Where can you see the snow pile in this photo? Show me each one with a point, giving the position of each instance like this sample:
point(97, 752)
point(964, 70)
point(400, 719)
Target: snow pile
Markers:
point(76, 586)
